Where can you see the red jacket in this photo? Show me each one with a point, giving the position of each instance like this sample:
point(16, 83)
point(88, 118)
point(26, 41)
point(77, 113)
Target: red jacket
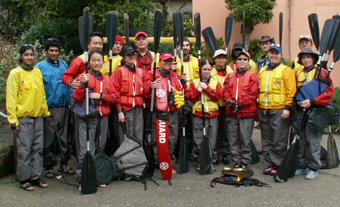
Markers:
point(76, 68)
point(145, 62)
point(175, 82)
point(244, 87)
point(95, 85)
point(194, 95)
point(129, 86)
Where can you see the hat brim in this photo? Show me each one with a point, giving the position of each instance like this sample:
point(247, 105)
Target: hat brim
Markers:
point(243, 53)
point(168, 58)
point(267, 39)
point(314, 55)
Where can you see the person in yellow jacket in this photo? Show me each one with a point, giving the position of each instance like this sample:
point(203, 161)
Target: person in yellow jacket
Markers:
point(305, 41)
point(26, 107)
point(277, 87)
point(219, 72)
point(116, 58)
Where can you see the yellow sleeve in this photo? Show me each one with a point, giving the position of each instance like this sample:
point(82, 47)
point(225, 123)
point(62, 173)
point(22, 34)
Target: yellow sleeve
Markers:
point(290, 85)
point(253, 66)
point(12, 97)
point(229, 70)
point(153, 57)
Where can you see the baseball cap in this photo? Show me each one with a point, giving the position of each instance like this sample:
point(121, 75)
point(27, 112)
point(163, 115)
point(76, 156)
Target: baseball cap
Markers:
point(219, 52)
point(244, 52)
point(127, 50)
point(166, 56)
point(140, 33)
point(276, 47)
point(305, 36)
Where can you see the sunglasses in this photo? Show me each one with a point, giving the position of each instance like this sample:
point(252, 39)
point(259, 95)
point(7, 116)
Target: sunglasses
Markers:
point(244, 59)
point(132, 55)
point(275, 45)
point(27, 45)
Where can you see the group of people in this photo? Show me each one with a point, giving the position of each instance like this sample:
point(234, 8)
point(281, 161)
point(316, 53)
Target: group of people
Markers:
point(234, 97)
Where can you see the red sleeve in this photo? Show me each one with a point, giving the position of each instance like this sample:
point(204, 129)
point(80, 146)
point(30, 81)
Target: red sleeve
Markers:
point(115, 78)
point(79, 93)
point(111, 97)
point(147, 84)
point(192, 93)
point(250, 98)
point(216, 94)
point(226, 94)
point(76, 67)
point(325, 98)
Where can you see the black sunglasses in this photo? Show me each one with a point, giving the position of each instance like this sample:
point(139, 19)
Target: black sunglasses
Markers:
point(244, 59)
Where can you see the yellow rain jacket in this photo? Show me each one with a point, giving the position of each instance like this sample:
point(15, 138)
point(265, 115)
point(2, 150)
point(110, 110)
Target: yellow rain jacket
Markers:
point(25, 95)
point(210, 106)
point(297, 66)
point(276, 87)
point(220, 79)
point(303, 77)
point(115, 64)
point(191, 66)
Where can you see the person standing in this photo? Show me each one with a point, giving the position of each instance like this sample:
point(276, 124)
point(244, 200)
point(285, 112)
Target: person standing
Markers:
point(265, 43)
point(310, 151)
point(277, 87)
point(57, 96)
point(219, 72)
point(240, 93)
point(164, 74)
point(116, 58)
point(212, 93)
point(305, 41)
point(27, 108)
point(237, 48)
point(102, 95)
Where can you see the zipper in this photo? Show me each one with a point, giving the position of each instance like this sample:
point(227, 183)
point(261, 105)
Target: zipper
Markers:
point(134, 91)
point(238, 80)
point(100, 102)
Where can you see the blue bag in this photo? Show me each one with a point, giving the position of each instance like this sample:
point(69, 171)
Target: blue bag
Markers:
point(311, 90)
point(80, 108)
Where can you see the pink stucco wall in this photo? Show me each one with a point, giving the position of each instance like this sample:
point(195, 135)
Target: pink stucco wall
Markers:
point(214, 13)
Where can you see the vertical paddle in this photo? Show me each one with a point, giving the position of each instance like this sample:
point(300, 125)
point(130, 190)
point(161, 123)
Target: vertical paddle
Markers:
point(229, 21)
point(183, 147)
point(148, 149)
point(281, 28)
point(244, 30)
point(174, 29)
point(210, 39)
point(111, 32)
point(314, 29)
point(334, 35)
point(126, 29)
point(205, 157)
point(88, 176)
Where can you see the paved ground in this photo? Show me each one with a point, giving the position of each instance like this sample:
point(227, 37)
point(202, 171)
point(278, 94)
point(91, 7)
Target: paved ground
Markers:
point(189, 189)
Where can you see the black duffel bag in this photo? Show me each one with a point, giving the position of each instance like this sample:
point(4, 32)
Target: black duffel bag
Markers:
point(323, 116)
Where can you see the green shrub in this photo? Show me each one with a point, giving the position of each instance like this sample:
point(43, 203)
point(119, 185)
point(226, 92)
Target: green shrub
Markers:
point(336, 102)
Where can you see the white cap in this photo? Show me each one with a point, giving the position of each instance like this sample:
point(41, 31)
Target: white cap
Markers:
point(305, 36)
point(220, 52)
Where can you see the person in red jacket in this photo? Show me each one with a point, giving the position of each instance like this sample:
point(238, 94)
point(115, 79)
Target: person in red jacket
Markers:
point(164, 73)
point(212, 92)
point(240, 93)
point(128, 82)
point(309, 157)
point(101, 90)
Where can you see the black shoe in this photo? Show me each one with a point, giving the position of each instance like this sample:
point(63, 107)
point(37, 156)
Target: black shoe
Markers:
point(225, 160)
point(216, 162)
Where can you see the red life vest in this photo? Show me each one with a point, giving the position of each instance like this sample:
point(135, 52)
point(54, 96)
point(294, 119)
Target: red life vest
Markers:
point(238, 88)
point(131, 92)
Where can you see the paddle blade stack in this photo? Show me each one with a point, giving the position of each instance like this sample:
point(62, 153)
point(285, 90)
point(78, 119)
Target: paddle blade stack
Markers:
point(111, 27)
point(197, 21)
point(210, 39)
point(180, 29)
point(228, 30)
point(157, 28)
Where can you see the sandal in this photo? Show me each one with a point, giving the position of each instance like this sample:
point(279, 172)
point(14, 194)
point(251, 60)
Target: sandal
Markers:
point(27, 187)
point(79, 189)
point(49, 174)
point(39, 183)
point(67, 170)
point(101, 185)
point(198, 168)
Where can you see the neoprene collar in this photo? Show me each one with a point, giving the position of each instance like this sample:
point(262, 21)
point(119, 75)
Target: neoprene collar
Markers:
point(26, 67)
point(242, 72)
point(274, 66)
point(132, 69)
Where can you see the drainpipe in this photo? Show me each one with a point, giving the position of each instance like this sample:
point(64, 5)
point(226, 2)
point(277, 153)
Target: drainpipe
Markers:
point(290, 29)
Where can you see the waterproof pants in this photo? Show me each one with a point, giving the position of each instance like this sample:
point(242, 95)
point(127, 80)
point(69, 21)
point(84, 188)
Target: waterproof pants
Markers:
point(211, 128)
point(101, 141)
point(222, 143)
point(240, 131)
point(60, 121)
point(82, 150)
point(136, 124)
point(30, 142)
point(310, 148)
point(187, 122)
point(173, 126)
point(274, 135)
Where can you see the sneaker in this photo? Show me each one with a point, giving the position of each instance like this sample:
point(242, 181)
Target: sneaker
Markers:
point(241, 166)
point(191, 158)
point(128, 177)
point(273, 172)
point(225, 160)
point(268, 170)
point(312, 175)
point(301, 172)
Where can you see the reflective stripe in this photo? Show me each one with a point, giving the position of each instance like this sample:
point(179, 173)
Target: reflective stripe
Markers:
point(238, 80)
point(101, 91)
point(134, 90)
point(268, 74)
point(187, 72)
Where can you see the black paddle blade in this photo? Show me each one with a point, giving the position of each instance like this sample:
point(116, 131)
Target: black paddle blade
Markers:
point(84, 28)
point(174, 29)
point(314, 29)
point(254, 155)
point(210, 39)
point(229, 21)
point(281, 28)
point(151, 159)
point(111, 28)
point(336, 53)
point(157, 28)
point(126, 28)
point(326, 35)
point(205, 157)
point(332, 150)
point(183, 154)
point(288, 163)
point(244, 30)
point(334, 35)
point(197, 21)
point(180, 28)
point(88, 175)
